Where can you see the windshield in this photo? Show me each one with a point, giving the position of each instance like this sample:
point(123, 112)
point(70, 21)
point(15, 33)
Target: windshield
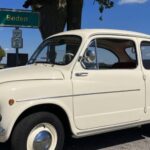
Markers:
point(58, 50)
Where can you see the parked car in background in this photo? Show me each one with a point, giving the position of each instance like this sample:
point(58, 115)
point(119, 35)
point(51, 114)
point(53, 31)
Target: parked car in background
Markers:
point(82, 83)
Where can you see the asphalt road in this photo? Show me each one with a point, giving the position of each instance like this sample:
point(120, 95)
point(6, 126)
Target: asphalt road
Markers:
point(131, 139)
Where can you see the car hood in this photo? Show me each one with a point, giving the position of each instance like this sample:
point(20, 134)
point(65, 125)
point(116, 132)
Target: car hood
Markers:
point(31, 72)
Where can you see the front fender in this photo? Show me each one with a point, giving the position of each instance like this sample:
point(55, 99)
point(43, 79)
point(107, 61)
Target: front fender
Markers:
point(30, 94)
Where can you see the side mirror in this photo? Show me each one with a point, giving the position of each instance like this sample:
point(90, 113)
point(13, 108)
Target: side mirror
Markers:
point(90, 56)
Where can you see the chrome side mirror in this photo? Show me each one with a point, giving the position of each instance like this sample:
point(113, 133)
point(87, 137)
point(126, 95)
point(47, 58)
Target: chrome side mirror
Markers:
point(90, 56)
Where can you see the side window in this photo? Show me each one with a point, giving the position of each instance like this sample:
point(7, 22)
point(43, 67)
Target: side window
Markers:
point(131, 52)
point(106, 58)
point(114, 54)
point(145, 48)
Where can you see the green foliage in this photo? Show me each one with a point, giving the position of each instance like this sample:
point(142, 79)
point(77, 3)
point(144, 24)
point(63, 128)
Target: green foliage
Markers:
point(104, 4)
point(2, 53)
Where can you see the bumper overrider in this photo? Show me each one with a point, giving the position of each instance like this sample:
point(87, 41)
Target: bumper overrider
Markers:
point(2, 134)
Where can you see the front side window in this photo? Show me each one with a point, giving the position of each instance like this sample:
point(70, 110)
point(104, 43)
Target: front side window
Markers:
point(58, 50)
point(115, 54)
point(131, 52)
point(106, 58)
point(145, 49)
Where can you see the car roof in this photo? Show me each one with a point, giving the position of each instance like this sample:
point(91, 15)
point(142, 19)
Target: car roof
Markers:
point(92, 32)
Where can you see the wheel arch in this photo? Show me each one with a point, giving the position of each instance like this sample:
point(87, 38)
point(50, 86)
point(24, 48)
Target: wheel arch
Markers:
point(52, 108)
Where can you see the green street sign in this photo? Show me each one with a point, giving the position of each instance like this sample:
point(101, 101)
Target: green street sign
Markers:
point(19, 18)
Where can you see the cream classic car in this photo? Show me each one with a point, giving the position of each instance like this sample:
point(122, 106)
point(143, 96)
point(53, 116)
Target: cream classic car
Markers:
point(77, 83)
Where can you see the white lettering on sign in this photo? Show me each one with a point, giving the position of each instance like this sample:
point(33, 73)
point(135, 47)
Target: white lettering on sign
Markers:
point(16, 18)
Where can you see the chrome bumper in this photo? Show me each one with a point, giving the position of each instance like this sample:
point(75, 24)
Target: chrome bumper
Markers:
point(2, 135)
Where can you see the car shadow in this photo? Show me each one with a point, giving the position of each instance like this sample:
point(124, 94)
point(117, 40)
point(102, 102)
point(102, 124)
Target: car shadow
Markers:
point(98, 142)
point(108, 140)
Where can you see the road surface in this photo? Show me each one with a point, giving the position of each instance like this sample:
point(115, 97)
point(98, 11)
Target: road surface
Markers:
point(131, 139)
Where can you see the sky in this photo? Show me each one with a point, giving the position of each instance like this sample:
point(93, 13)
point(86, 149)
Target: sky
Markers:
point(133, 15)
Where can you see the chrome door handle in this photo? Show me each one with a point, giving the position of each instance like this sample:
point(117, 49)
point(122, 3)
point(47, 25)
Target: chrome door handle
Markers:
point(81, 74)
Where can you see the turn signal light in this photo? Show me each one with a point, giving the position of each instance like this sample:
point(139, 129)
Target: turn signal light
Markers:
point(11, 102)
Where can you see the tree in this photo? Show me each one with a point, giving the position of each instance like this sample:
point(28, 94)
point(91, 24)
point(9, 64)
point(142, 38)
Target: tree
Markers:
point(55, 14)
point(2, 54)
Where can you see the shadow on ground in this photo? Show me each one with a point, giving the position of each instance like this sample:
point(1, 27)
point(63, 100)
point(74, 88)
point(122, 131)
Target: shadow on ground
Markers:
point(111, 141)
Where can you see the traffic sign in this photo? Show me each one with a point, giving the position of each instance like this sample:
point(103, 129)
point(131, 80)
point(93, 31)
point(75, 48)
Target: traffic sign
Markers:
point(19, 18)
point(17, 33)
point(17, 42)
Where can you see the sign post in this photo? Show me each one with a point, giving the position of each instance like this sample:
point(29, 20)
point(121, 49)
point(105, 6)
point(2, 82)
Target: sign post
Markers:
point(17, 42)
point(18, 19)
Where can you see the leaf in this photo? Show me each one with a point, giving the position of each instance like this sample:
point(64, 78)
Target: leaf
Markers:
point(101, 18)
point(2, 53)
point(101, 9)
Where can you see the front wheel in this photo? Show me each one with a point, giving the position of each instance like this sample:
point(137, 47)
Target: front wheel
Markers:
point(38, 131)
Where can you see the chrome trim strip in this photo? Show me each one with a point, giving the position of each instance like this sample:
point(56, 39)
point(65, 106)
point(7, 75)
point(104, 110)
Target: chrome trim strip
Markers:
point(30, 80)
point(77, 95)
point(110, 92)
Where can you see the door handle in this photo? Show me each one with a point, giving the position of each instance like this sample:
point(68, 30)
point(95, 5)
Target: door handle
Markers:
point(83, 74)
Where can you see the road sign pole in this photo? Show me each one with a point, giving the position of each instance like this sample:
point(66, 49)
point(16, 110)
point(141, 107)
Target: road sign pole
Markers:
point(17, 52)
point(17, 56)
point(17, 42)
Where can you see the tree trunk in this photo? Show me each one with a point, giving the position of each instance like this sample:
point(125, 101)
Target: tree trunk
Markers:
point(53, 19)
point(74, 14)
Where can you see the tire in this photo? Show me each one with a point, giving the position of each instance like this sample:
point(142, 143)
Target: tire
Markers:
point(38, 128)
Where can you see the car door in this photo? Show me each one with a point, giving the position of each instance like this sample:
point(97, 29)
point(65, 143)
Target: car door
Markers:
point(109, 91)
point(145, 52)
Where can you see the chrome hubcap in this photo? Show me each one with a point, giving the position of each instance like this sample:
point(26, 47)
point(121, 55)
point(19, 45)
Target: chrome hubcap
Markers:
point(42, 137)
point(42, 141)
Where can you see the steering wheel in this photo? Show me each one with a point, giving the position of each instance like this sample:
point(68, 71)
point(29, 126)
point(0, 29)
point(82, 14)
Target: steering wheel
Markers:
point(69, 54)
point(68, 57)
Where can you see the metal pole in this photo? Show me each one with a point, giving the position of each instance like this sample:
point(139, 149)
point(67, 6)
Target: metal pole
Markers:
point(17, 56)
point(17, 53)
